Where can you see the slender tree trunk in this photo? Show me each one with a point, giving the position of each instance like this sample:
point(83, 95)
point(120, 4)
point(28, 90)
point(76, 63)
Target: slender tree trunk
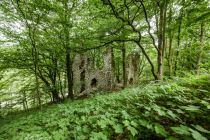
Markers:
point(50, 85)
point(31, 35)
point(170, 37)
point(160, 65)
point(60, 80)
point(164, 27)
point(159, 48)
point(148, 59)
point(36, 75)
point(55, 92)
point(24, 101)
point(60, 84)
point(69, 70)
point(170, 54)
point(124, 65)
point(113, 78)
point(65, 82)
point(178, 37)
point(200, 49)
point(69, 74)
point(160, 43)
point(53, 78)
point(142, 64)
point(161, 37)
point(118, 72)
point(55, 95)
point(138, 42)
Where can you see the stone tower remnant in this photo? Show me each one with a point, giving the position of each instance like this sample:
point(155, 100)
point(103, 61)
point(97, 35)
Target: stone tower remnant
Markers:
point(88, 79)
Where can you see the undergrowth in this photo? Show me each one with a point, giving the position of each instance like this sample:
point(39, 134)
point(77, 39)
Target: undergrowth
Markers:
point(176, 109)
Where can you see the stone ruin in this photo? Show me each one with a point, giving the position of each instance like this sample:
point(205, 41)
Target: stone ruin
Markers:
point(133, 68)
point(88, 79)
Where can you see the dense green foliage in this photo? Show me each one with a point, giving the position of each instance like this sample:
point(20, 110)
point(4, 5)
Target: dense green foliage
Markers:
point(55, 53)
point(39, 40)
point(176, 109)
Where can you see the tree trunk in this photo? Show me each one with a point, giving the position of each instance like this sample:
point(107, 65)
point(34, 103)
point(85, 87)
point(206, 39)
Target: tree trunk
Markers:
point(148, 59)
point(160, 44)
point(113, 78)
point(118, 64)
point(60, 84)
point(53, 78)
point(160, 33)
point(69, 74)
point(31, 34)
point(124, 66)
point(24, 101)
point(160, 65)
point(201, 48)
point(55, 95)
point(69, 70)
point(178, 37)
point(36, 77)
point(161, 38)
point(164, 28)
point(170, 53)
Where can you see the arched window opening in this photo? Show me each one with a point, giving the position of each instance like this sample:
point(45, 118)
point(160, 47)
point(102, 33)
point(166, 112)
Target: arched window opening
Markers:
point(93, 83)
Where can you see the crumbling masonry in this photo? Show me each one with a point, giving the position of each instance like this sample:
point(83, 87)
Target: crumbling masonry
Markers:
point(88, 79)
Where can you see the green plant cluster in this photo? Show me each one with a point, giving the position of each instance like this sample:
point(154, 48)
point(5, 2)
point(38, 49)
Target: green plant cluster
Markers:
point(178, 109)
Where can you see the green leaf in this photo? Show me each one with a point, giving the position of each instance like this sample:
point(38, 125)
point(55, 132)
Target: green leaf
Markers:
point(170, 113)
point(118, 128)
point(134, 124)
point(201, 129)
point(191, 108)
point(102, 123)
point(159, 129)
point(197, 136)
point(179, 111)
point(125, 114)
point(98, 136)
point(159, 111)
point(56, 135)
point(145, 124)
point(182, 130)
point(132, 130)
point(203, 90)
point(171, 138)
point(126, 123)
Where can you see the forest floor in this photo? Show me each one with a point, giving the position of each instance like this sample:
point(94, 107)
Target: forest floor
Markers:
point(174, 109)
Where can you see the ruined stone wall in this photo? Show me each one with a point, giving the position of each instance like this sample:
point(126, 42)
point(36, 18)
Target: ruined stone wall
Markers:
point(79, 73)
point(87, 79)
point(109, 70)
point(133, 68)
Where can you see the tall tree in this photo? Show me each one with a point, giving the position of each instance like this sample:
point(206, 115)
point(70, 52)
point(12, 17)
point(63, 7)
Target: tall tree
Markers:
point(66, 25)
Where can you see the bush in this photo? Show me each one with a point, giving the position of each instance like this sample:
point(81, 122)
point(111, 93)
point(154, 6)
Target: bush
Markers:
point(168, 110)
